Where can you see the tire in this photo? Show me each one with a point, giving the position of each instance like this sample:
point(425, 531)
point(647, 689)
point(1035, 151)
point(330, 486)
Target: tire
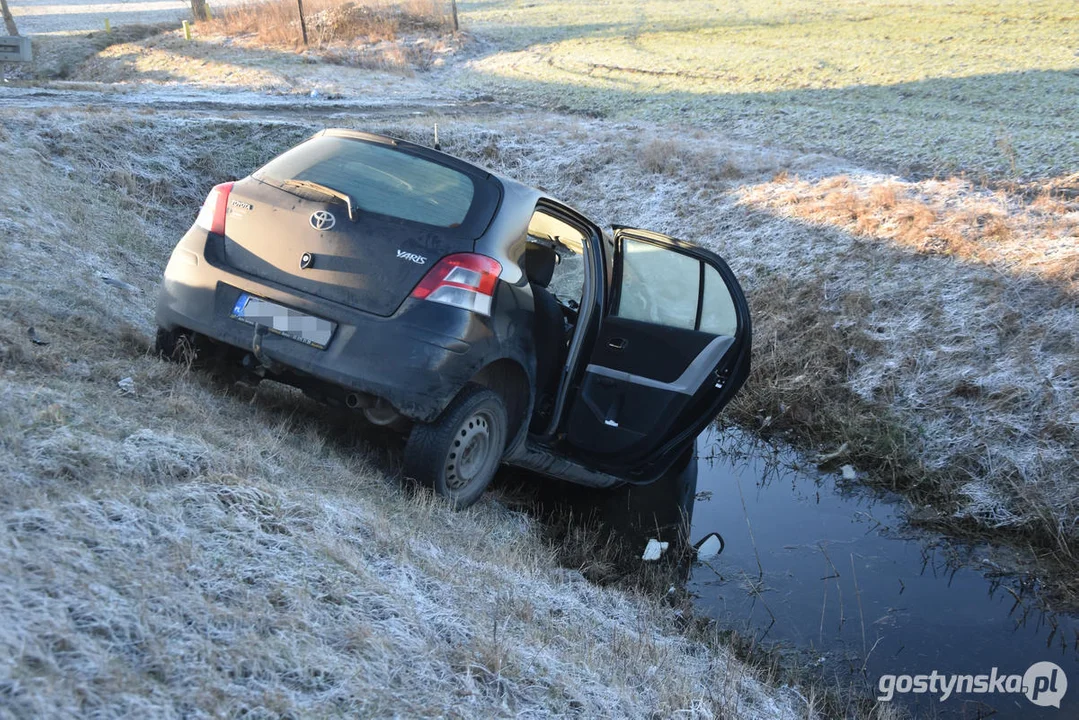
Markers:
point(459, 453)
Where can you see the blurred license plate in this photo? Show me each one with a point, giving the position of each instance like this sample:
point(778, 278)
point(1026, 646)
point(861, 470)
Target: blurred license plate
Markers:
point(281, 320)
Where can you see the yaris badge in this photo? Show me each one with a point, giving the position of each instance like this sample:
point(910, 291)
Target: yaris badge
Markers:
point(322, 220)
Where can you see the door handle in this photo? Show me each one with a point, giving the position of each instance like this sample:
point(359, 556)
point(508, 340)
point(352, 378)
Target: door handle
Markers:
point(617, 343)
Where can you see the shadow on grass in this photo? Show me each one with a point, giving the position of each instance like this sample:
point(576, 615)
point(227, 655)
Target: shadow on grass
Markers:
point(995, 126)
point(1007, 125)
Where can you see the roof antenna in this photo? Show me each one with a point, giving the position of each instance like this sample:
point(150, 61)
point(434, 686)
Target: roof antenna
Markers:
point(438, 145)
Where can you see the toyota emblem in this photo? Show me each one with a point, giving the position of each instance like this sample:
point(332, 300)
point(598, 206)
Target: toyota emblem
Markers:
point(323, 220)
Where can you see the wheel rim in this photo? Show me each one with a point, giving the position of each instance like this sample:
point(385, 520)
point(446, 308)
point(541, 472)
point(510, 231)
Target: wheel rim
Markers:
point(471, 453)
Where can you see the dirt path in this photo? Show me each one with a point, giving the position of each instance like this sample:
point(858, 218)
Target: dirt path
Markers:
point(38, 17)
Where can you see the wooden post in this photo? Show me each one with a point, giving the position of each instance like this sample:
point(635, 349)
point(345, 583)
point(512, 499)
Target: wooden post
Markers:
point(198, 10)
point(9, 21)
point(187, 30)
point(453, 6)
point(303, 23)
point(108, 26)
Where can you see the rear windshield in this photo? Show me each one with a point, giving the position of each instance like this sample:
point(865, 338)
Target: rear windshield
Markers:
point(382, 179)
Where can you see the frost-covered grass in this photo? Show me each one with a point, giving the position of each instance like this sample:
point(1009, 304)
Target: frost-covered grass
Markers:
point(919, 86)
point(959, 308)
point(949, 375)
point(920, 314)
point(924, 330)
point(176, 546)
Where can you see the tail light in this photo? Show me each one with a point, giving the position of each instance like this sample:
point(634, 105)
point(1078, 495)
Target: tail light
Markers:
point(212, 215)
point(464, 280)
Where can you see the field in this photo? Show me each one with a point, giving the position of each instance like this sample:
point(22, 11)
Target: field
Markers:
point(896, 184)
point(920, 87)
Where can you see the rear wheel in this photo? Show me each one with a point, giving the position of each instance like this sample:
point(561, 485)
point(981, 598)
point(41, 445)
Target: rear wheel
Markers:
point(177, 345)
point(198, 352)
point(459, 453)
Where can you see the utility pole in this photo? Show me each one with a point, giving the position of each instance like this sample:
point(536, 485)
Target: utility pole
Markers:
point(9, 21)
point(303, 23)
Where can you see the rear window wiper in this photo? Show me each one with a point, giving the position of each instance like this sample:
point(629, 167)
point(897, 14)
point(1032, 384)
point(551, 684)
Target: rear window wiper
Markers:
point(319, 187)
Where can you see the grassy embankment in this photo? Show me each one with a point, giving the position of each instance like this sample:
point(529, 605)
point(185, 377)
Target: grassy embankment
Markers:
point(172, 544)
point(905, 318)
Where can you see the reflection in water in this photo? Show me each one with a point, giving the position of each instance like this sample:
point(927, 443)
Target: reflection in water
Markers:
point(828, 571)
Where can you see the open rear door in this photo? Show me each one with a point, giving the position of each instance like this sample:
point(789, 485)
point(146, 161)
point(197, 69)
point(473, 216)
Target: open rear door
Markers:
point(673, 349)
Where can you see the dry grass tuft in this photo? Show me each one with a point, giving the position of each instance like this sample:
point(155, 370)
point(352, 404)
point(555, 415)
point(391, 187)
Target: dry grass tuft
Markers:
point(275, 23)
point(388, 56)
point(1003, 229)
point(673, 157)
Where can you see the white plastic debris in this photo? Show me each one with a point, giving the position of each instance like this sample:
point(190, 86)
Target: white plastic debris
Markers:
point(828, 457)
point(126, 287)
point(848, 472)
point(127, 386)
point(711, 547)
point(654, 549)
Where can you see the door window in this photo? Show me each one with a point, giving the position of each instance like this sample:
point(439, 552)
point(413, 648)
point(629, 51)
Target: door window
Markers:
point(718, 315)
point(658, 286)
point(663, 287)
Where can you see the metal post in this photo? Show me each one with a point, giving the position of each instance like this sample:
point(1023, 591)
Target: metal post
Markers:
point(303, 23)
point(187, 30)
point(108, 26)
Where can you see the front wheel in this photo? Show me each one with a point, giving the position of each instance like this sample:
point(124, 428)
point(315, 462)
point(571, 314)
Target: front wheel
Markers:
point(459, 453)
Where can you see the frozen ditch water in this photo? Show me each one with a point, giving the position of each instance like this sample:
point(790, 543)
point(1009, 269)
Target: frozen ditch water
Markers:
point(828, 572)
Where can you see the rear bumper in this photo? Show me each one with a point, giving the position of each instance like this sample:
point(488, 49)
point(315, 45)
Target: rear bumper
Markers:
point(417, 359)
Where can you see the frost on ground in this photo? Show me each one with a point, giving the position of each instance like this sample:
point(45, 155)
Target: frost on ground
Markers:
point(130, 591)
point(188, 547)
point(934, 332)
point(943, 371)
point(969, 335)
point(930, 325)
point(947, 363)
